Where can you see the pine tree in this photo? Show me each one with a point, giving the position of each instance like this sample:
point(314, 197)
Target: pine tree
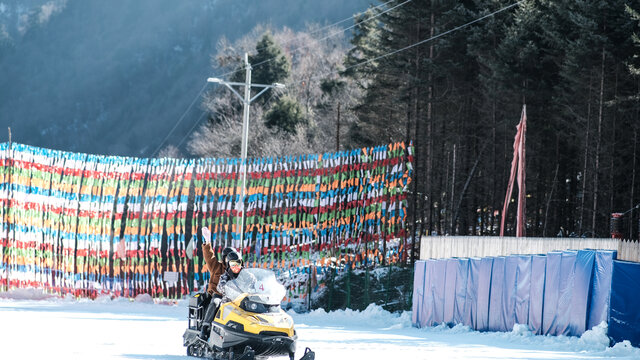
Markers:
point(595, 40)
point(495, 116)
point(285, 115)
point(360, 65)
point(634, 61)
point(269, 65)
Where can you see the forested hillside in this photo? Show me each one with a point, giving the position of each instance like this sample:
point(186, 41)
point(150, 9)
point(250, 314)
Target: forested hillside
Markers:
point(459, 97)
point(113, 77)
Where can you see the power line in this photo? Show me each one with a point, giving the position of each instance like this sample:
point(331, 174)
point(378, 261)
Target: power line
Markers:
point(326, 37)
point(338, 32)
point(192, 128)
point(268, 60)
point(350, 67)
point(416, 44)
point(179, 120)
point(200, 118)
point(630, 210)
point(334, 24)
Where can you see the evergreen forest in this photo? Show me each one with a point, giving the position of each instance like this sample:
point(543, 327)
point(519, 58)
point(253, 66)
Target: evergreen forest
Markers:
point(452, 77)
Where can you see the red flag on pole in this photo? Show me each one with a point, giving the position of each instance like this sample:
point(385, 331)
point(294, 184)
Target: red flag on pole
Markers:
point(518, 166)
point(522, 191)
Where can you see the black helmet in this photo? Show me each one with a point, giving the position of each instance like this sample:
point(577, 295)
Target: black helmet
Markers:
point(226, 252)
point(229, 254)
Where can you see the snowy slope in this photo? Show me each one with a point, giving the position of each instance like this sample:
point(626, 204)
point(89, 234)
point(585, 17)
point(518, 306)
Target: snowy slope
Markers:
point(121, 329)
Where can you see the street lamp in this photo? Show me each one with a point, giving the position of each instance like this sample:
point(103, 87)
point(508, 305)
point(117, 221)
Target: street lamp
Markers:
point(246, 100)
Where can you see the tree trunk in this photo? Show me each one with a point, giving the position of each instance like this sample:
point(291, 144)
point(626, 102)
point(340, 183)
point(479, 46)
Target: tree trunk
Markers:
point(453, 188)
point(444, 206)
point(494, 159)
point(415, 103)
point(466, 185)
point(414, 201)
point(613, 147)
point(633, 178)
point(586, 161)
point(599, 136)
point(546, 211)
point(633, 171)
point(429, 128)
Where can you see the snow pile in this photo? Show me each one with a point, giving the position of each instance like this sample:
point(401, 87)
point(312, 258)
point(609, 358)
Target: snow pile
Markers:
point(521, 330)
point(596, 337)
point(372, 316)
point(594, 341)
point(103, 298)
point(623, 349)
point(144, 298)
point(26, 294)
point(456, 329)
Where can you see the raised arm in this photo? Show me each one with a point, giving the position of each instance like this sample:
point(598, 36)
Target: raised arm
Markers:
point(214, 266)
point(210, 259)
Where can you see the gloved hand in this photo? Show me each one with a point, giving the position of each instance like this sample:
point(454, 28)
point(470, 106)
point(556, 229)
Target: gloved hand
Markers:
point(206, 235)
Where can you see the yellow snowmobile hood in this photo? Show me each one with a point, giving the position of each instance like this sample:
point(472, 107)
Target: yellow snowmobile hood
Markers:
point(270, 323)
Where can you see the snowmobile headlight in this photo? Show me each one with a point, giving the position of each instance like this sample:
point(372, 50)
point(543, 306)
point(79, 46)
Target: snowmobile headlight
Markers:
point(259, 308)
point(252, 306)
point(236, 326)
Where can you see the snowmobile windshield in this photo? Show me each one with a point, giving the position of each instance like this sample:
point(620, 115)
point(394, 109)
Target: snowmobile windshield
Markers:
point(260, 284)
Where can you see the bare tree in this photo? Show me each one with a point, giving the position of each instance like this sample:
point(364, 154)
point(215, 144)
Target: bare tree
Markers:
point(314, 56)
point(170, 151)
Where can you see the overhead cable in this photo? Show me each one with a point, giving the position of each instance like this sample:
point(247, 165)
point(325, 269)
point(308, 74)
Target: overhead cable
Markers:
point(417, 43)
point(231, 72)
point(324, 38)
point(179, 120)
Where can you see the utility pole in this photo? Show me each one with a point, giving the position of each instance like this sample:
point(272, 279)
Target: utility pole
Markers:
point(245, 137)
point(338, 131)
point(7, 180)
point(246, 101)
point(9, 197)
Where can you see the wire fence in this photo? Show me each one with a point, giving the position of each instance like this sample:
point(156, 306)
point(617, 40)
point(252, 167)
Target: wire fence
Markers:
point(390, 287)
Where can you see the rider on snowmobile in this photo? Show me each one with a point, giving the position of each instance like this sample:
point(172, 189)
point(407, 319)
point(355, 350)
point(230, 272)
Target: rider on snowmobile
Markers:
point(220, 272)
point(233, 263)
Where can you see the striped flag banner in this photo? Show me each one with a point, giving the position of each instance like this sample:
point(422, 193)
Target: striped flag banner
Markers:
point(89, 225)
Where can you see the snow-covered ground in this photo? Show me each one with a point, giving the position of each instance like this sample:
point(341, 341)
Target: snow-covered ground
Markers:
point(33, 326)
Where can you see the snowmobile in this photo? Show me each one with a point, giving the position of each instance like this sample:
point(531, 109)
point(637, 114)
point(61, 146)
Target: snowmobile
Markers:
point(248, 324)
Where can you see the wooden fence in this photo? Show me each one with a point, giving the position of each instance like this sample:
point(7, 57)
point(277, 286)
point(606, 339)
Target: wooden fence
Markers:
point(437, 247)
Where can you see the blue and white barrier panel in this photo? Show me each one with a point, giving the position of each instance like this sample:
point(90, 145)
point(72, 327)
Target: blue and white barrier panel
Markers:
point(560, 293)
